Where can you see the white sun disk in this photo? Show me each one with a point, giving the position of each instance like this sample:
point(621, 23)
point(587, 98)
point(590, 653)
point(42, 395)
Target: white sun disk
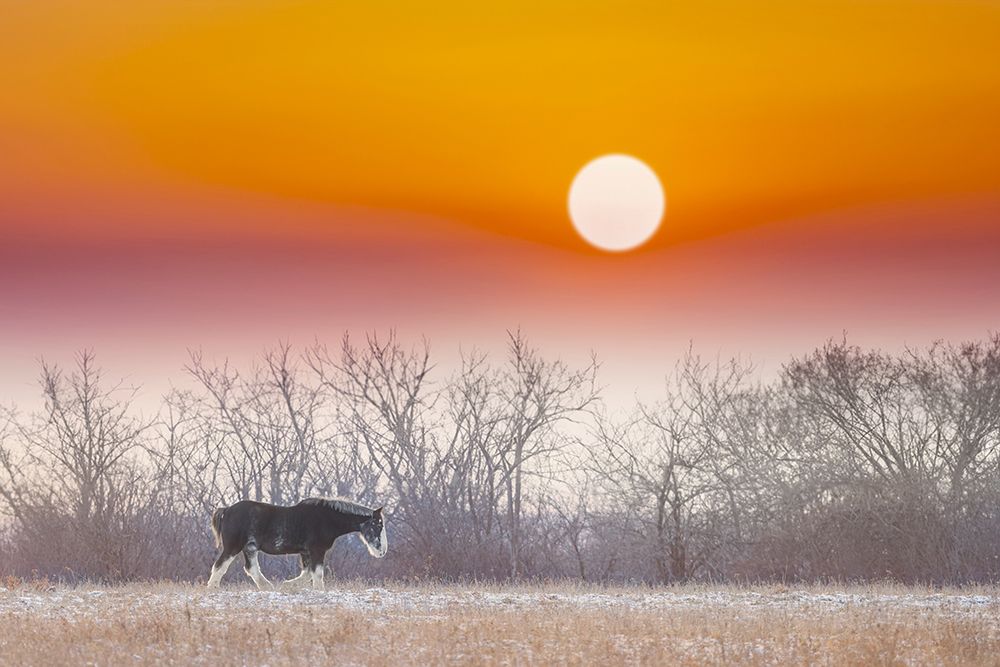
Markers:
point(616, 202)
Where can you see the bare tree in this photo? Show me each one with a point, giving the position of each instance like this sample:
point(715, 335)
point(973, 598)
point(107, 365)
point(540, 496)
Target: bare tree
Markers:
point(477, 417)
point(660, 466)
point(270, 422)
point(77, 471)
point(13, 466)
point(537, 395)
point(852, 464)
point(389, 408)
point(863, 397)
point(959, 388)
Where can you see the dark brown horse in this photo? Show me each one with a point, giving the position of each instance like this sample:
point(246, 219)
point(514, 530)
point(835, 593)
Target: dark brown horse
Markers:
point(308, 529)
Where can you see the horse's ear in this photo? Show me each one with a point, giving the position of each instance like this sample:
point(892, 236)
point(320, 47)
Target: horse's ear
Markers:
point(377, 512)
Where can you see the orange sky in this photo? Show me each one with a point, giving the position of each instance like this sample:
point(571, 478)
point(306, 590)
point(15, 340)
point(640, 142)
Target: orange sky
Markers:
point(160, 158)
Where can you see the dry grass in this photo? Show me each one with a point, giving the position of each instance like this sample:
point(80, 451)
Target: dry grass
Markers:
point(404, 624)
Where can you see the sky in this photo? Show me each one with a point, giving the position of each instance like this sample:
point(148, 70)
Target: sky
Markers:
point(225, 175)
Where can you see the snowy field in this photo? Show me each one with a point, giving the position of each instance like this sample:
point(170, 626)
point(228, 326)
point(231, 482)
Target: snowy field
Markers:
point(352, 623)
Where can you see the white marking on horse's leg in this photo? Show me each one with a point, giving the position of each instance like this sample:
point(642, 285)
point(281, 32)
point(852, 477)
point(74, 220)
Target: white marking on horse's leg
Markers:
point(254, 573)
point(219, 572)
point(317, 577)
point(302, 575)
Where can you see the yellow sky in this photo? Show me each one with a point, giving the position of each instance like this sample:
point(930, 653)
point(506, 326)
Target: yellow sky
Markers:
point(749, 111)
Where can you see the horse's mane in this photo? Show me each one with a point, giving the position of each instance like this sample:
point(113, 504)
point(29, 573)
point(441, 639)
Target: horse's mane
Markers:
point(341, 505)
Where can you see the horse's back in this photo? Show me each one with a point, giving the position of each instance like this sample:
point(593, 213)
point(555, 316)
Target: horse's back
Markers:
point(251, 505)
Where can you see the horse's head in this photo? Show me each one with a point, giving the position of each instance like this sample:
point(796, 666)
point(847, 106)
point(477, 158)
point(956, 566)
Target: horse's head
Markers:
point(373, 534)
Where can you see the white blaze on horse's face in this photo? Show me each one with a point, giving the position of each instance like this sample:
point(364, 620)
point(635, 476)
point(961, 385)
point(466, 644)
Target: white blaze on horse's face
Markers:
point(372, 533)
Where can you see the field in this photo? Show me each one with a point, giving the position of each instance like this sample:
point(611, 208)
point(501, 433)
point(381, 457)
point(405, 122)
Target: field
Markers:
point(390, 624)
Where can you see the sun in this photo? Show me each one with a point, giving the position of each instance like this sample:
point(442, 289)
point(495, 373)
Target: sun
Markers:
point(616, 202)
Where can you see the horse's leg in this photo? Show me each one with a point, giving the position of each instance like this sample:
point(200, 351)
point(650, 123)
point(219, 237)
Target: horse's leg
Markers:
point(304, 558)
point(317, 576)
point(252, 567)
point(316, 559)
point(220, 567)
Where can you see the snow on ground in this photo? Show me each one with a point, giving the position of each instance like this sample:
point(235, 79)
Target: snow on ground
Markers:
point(443, 623)
point(70, 603)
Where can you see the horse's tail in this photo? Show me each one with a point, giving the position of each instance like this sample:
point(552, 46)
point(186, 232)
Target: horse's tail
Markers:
point(217, 525)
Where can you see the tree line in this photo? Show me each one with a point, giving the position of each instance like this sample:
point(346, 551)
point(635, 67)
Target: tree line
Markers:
point(851, 464)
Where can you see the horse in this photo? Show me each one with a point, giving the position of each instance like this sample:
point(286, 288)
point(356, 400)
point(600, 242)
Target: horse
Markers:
point(308, 529)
